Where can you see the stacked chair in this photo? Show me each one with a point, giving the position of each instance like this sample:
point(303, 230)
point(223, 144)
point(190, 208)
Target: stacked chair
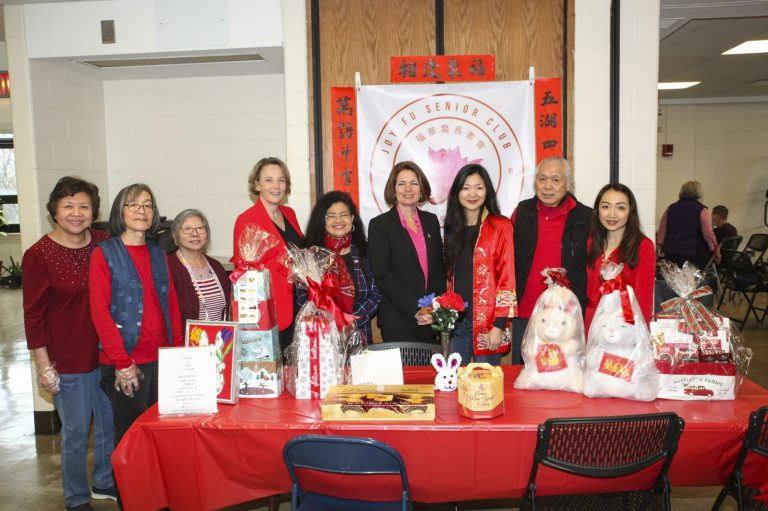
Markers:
point(606, 447)
point(744, 278)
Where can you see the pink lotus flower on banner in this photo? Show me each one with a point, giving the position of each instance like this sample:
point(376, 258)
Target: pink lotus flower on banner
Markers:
point(443, 166)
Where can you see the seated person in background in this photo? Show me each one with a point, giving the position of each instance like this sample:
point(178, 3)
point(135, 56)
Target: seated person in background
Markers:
point(722, 228)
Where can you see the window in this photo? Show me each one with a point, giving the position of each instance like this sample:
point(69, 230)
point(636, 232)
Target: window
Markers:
point(8, 194)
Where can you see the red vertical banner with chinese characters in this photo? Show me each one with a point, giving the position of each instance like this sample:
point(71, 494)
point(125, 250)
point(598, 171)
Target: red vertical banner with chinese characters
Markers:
point(548, 108)
point(344, 129)
point(442, 68)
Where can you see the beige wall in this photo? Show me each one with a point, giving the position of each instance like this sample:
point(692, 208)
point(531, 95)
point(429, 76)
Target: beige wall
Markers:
point(194, 141)
point(637, 97)
point(724, 146)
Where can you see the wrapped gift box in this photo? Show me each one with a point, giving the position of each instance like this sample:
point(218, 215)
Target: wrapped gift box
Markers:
point(258, 344)
point(252, 300)
point(697, 380)
point(318, 361)
point(379, 402)
point(693, 367)
point(261, 379)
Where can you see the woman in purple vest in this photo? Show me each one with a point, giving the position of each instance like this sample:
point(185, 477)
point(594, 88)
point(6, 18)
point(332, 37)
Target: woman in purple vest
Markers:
point(685, 230)
point(133, 305)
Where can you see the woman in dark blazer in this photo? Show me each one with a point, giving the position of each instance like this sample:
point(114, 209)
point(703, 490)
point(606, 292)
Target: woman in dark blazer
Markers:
point(406, 252)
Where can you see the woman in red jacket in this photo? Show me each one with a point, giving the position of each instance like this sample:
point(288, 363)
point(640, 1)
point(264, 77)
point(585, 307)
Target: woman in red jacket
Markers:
point(270, 181)
point(616, 236)
point(479, 256)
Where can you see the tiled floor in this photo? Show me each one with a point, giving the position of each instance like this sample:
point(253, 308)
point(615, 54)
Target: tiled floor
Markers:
point(29, 464)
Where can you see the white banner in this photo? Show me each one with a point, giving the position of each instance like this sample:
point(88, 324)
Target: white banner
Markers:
point(443, 127)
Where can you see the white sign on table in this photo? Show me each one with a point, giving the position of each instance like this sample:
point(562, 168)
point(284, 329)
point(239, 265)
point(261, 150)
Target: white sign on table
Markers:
point(187, 381)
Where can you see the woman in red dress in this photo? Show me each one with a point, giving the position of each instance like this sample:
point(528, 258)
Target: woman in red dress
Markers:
point(616, 237)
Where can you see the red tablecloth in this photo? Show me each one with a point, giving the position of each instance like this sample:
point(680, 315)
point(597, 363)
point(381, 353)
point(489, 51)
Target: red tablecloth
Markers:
point(205, 463)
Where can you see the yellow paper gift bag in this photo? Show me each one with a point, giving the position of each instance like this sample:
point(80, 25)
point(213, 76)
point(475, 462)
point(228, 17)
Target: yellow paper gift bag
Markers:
point(481, 391)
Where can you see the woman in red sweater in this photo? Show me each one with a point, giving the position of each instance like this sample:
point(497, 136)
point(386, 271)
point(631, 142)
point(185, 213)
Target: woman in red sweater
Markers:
point(270, 181)
point(57, 321)
point(616, 236)
point(133, 305)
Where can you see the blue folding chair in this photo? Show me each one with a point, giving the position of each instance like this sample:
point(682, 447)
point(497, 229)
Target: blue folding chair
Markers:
point(343, 456)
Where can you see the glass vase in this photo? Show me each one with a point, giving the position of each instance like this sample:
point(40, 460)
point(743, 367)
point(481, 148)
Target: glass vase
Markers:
point(445, 344)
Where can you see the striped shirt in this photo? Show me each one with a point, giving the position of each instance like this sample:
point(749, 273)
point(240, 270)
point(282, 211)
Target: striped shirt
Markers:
point(211, 297)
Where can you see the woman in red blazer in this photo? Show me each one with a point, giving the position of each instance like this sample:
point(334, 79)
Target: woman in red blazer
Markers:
point(616, 237)
point(270, 181)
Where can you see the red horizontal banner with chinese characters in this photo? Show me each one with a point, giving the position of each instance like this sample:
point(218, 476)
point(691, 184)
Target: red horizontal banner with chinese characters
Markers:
point(443, 68)
point(548, 107)
point(344, 135)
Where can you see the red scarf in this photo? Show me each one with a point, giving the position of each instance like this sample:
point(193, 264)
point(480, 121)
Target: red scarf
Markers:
point(346, 298)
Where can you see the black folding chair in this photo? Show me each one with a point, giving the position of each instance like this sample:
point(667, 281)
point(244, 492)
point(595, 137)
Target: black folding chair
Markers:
point(755, 441)
point(743, 278)
point(718, 270)
point(606, 447)
point(757, 246)
point(411, 353)
point(343, 456)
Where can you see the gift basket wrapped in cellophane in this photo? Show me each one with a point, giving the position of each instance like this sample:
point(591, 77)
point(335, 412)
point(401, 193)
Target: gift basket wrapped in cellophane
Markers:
point(253, 308)
point(699, 353)
point(619, 354)
point(324, 336)
point(553, 343)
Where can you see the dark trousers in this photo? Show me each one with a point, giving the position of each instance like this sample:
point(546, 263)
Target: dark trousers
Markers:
point(127, 409)
point(518, 329)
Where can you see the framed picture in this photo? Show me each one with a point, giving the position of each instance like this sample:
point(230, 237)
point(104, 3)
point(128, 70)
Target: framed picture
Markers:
point(222, 335)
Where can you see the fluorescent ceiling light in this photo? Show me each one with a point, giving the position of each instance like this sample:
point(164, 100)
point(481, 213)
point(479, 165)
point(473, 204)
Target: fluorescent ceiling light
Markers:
point(758, 46)
point(676, 85)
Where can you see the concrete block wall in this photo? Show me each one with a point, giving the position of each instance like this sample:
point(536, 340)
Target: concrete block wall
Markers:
point(639, 68)
point(722, 145)
point(194, 142)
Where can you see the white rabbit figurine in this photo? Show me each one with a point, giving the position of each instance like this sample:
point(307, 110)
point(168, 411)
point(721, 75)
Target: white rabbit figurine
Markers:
point(446, 379)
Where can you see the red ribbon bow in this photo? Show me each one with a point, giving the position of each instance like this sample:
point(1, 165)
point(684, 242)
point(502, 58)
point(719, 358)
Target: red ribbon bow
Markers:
point(558, 278)
point(620, 284)
point(322, 296)
point(242, 267)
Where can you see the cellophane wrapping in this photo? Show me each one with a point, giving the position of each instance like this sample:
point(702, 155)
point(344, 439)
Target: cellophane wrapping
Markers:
point(553, 343)
point(315, 359)
point(700, 354)
point(619, 353)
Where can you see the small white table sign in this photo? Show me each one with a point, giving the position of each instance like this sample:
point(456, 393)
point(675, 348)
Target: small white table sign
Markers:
point(383, 367)
point(187, 381)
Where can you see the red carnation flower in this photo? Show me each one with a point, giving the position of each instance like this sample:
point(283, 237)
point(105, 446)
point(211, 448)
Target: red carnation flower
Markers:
point(451, 300)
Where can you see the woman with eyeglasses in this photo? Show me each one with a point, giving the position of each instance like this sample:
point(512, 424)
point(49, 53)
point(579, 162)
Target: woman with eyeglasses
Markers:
point(270, 182)
point(334, 224)
point(201, 282)
point(133, 305)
